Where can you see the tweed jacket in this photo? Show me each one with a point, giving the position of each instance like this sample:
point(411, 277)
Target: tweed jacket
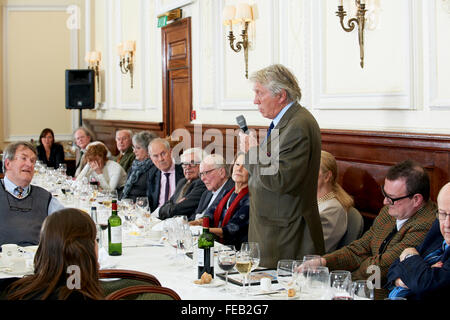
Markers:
point(184, 208)
point(127, 159)
point(362, 253)
point(284, 217)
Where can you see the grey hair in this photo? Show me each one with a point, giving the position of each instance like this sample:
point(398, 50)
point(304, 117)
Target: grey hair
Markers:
point(277, 78)
point(199, 154)
point(128, 131)
point(87, 131)
point(218, 161)
point(144, 138)
point(160, 140)
point(11, 149)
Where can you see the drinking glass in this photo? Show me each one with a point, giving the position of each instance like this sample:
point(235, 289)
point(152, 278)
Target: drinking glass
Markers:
point(227, 261)
point(253, 250)
point(341, 285)
point(142, 205)
point(284, 274)
point(317, 283)
point(243, 266)
point(361, 290)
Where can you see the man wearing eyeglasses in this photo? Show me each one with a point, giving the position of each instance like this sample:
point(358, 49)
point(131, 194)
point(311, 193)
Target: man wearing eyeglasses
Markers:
point(403, 222)
point(188, 190)
point(424, 273)
point(23, 207)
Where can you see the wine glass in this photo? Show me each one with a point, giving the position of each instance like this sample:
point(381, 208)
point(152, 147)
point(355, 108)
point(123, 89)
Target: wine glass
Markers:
point(362, 291)
point(341, 285)
point(243, 266)
point(253, 249)
point(142, 205)
point(285, 275)
point(227, 260)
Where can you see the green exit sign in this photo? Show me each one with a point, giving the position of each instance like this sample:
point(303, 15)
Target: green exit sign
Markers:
point(162, 21)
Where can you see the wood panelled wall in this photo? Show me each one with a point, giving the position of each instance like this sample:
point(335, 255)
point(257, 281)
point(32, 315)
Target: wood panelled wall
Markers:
point(363, 157)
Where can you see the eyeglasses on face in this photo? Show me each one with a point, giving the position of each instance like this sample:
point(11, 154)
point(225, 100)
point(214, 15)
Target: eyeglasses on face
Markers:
point(392, 201)
point(442, 215)
point(189, 164)
point(207, 172)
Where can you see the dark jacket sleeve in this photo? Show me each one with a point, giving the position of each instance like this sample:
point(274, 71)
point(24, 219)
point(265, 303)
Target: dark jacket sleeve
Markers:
point(185, 207)
point(59, 154)
point(237, 226)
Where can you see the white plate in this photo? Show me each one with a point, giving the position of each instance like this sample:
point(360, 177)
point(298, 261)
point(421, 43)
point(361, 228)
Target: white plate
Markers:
point(16, 272)
point(30, 249)
point(213, 284)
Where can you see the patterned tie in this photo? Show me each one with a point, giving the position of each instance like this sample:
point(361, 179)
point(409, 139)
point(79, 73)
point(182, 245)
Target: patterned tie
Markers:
point(166, 195)
point(270, 129)
point(19, 192)
point(119, 157)
point(183, 191)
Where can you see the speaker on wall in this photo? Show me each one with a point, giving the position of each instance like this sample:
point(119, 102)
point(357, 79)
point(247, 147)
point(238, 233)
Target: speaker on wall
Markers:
point(80, 89)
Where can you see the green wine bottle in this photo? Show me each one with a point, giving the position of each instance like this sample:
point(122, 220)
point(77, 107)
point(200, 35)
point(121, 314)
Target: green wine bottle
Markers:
point(206, 250)
point(114, 232)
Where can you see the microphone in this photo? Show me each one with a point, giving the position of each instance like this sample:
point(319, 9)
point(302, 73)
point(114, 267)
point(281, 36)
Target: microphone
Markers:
point(242, 123)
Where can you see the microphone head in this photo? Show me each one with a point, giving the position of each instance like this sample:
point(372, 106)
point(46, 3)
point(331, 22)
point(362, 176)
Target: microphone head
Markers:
point(242, 123)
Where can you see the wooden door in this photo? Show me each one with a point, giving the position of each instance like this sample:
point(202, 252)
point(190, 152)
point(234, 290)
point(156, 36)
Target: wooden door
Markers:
point(177, 75)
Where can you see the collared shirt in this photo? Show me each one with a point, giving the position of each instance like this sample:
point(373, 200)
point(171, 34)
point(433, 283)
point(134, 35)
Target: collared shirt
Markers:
point(162, 184)
point(280, 115)
point(214, 196)
point(54, 205)
point(400, 223)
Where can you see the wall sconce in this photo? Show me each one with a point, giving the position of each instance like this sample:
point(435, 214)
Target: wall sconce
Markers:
point(243, 15)
point(358, 20)
point(93, 59)
point(126, 53)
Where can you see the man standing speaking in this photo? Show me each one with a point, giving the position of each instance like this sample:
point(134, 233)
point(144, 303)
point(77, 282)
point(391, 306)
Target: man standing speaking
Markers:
point(284, 217)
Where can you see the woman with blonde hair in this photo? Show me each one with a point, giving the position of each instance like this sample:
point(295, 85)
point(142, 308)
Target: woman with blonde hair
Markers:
point(333, 201)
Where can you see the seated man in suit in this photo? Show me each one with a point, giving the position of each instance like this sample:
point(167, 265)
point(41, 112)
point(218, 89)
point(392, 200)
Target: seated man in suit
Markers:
point(214, 174)
point(124, 145)
point(82, 137)
point(164, 176)
point(23, 207)
point(189, 189)
point(403, 222)
point(424, 273)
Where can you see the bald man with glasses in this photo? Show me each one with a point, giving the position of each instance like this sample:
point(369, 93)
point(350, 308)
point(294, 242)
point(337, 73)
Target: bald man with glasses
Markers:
point(403, 222)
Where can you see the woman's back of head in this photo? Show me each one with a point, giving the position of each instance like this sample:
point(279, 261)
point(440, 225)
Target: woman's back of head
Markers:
point(67, 243)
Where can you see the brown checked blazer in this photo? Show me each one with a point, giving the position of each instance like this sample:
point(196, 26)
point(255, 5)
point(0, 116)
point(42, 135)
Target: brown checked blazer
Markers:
point(364, 252)
point(284, 217)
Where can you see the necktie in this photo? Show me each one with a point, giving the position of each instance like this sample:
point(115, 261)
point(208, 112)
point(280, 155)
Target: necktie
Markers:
point(166, 195)
point(270, 129)
point(79, 160)
point(387, 240)
point(183, 191)
point(119, 157)
point(19, 192)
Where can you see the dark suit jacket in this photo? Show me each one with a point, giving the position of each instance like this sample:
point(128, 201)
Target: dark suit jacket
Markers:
point(127, 159)
point(284, 216)
point(188, 205)
point(153, 184)
point(56, 155)
point(206, 197)
point(425, 283)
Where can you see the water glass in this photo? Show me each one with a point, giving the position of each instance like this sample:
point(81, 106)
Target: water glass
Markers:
point(284, 274)
point(361, 290)
point(341, 285)
point(317, 283)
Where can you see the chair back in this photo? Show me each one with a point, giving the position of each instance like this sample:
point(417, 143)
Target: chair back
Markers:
point(120, 278)
point(355, 227)
point(144, 293)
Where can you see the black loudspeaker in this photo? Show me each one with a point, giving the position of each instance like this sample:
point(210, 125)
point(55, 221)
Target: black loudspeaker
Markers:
point(80, 89)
